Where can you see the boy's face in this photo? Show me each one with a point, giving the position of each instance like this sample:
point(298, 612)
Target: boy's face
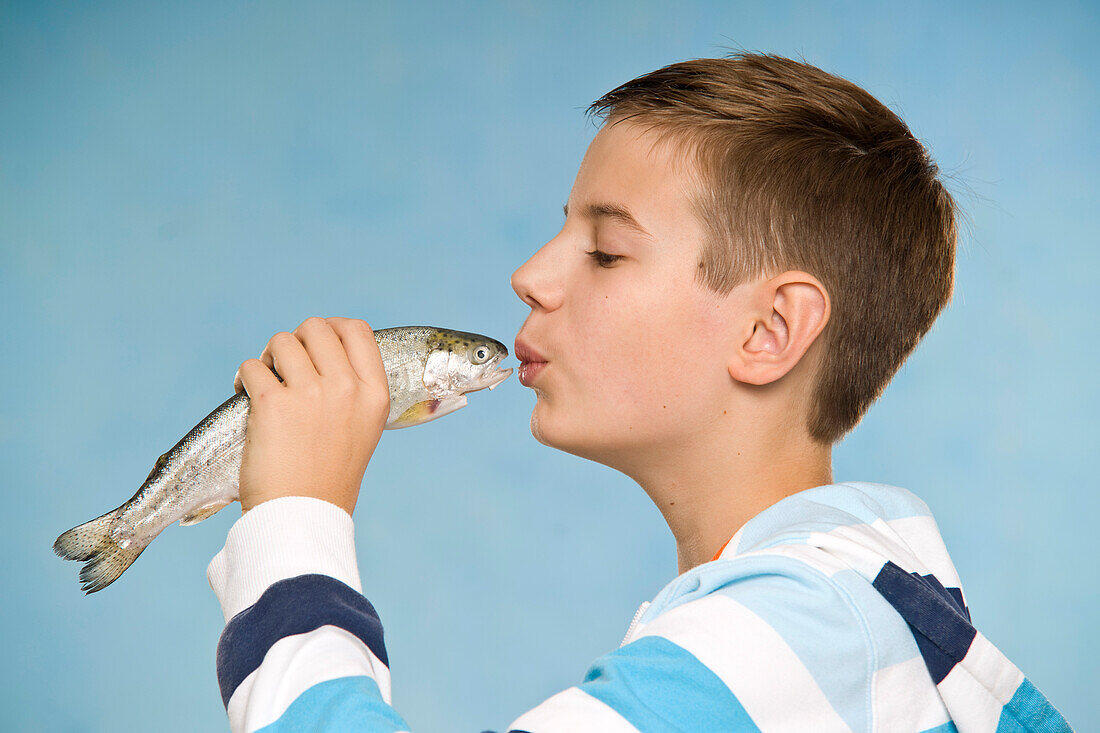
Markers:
point(636, 351)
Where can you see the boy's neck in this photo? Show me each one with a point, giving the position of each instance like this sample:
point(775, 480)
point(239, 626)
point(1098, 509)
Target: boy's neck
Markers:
point(708, 489)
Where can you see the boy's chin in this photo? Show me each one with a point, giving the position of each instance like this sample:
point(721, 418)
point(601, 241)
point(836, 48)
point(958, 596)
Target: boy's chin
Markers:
point(579, 440)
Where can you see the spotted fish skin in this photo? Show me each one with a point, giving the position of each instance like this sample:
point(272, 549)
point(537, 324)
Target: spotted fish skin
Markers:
point(429, 370)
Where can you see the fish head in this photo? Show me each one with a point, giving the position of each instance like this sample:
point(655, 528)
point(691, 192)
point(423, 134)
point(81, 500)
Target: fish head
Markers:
point(460, 362)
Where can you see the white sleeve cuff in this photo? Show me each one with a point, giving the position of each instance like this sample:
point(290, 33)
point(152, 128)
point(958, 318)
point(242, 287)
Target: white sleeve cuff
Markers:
point(279, 539)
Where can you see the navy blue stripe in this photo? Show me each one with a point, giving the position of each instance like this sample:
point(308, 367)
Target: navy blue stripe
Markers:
point(951, 595)
point(939, 621)
point(293, 606)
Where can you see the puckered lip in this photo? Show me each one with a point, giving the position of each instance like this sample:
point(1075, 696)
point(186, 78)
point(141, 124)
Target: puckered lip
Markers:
point(526, 353)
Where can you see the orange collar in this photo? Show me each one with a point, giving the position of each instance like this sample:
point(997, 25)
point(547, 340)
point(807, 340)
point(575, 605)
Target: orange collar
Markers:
point(717, 554)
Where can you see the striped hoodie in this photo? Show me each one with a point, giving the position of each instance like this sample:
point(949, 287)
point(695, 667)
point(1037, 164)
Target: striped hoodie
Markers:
point(835, 609)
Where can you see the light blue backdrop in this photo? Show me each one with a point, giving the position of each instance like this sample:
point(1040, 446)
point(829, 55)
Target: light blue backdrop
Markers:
point(180, 181)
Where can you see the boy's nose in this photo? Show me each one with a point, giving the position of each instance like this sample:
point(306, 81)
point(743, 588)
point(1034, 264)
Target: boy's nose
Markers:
point(537, 281)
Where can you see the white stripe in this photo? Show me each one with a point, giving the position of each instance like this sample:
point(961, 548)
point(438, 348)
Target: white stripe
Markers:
point(865, 547)
point(573, 710)
point(295, 663)
point(969, 703)
point(815, 557)
point(923, 538)
point(906, 698)
point(280, 539)
point(753, 660)
point(976, 689)
point(912, 543)
point(987, 664)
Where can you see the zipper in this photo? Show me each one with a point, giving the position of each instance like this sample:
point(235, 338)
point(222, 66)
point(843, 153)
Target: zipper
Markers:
point(634, 621)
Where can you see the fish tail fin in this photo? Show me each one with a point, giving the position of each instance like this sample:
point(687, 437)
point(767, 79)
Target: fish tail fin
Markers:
point(103, 559)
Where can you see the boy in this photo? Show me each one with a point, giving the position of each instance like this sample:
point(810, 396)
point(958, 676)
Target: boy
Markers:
point(751, 249)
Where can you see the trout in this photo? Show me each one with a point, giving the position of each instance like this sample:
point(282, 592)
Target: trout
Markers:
point(430, 371)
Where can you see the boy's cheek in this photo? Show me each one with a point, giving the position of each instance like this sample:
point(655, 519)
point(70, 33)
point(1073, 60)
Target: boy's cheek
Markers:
point(631, 384)
point(614, 410)
point(626, 358)
point(638, 358)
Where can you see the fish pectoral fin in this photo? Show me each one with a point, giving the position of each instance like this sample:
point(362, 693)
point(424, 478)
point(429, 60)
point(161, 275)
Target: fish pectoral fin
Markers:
point(426, 410)
point(204, 511)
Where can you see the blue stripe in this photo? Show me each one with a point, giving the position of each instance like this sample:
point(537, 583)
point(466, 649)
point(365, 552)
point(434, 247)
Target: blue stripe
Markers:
point(892, 638)
point(345, 703)
point(942, 632)
point(824, 508)
point(820, 625)
point(1029, 710)
point(288, 607)
point(815, 616)
point(659, 686)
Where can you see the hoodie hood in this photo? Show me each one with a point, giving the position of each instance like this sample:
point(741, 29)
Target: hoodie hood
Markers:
point(864, 536)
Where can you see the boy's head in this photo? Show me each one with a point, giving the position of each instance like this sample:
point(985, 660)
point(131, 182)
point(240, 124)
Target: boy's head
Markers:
point(794, 246)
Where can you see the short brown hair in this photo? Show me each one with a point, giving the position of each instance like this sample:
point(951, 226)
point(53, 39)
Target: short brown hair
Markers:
point(800, 169)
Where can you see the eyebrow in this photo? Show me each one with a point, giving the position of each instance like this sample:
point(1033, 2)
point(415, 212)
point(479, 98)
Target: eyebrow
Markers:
point(610, 210)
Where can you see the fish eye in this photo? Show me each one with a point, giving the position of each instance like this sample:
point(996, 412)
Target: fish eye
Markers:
point(479, 354)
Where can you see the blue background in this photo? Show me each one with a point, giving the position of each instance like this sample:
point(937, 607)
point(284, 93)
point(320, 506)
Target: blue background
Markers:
point(179, 182)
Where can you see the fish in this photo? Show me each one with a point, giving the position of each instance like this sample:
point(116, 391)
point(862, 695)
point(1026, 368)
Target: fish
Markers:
point(429, 370)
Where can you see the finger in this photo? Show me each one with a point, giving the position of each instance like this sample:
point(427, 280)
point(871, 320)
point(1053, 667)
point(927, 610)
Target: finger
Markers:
point(256, 378)
point(324, 348)
point(286, 355)
point(269, 361)
point(361, 347)
point(238, 385)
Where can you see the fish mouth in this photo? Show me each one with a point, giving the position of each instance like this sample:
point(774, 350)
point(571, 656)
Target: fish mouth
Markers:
point(492, 375)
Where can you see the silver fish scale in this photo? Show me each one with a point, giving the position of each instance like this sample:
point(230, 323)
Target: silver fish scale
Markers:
point(405, 353)
point(201, 468)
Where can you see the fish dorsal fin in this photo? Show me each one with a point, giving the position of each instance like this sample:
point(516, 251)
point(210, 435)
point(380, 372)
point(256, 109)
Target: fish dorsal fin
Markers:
point(160, 462)
point(203, 512)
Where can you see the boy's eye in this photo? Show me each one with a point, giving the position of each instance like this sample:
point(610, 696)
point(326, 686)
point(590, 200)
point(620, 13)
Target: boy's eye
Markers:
point(603, 259)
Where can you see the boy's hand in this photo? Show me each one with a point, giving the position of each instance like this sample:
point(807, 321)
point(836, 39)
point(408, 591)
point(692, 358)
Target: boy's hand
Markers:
point(314, 433)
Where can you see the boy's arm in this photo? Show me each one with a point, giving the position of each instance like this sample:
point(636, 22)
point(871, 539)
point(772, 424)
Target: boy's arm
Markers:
point(303, 650)
point(287, 578)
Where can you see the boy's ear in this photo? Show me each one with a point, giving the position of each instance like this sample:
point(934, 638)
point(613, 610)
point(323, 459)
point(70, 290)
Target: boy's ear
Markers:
point(785, 315)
